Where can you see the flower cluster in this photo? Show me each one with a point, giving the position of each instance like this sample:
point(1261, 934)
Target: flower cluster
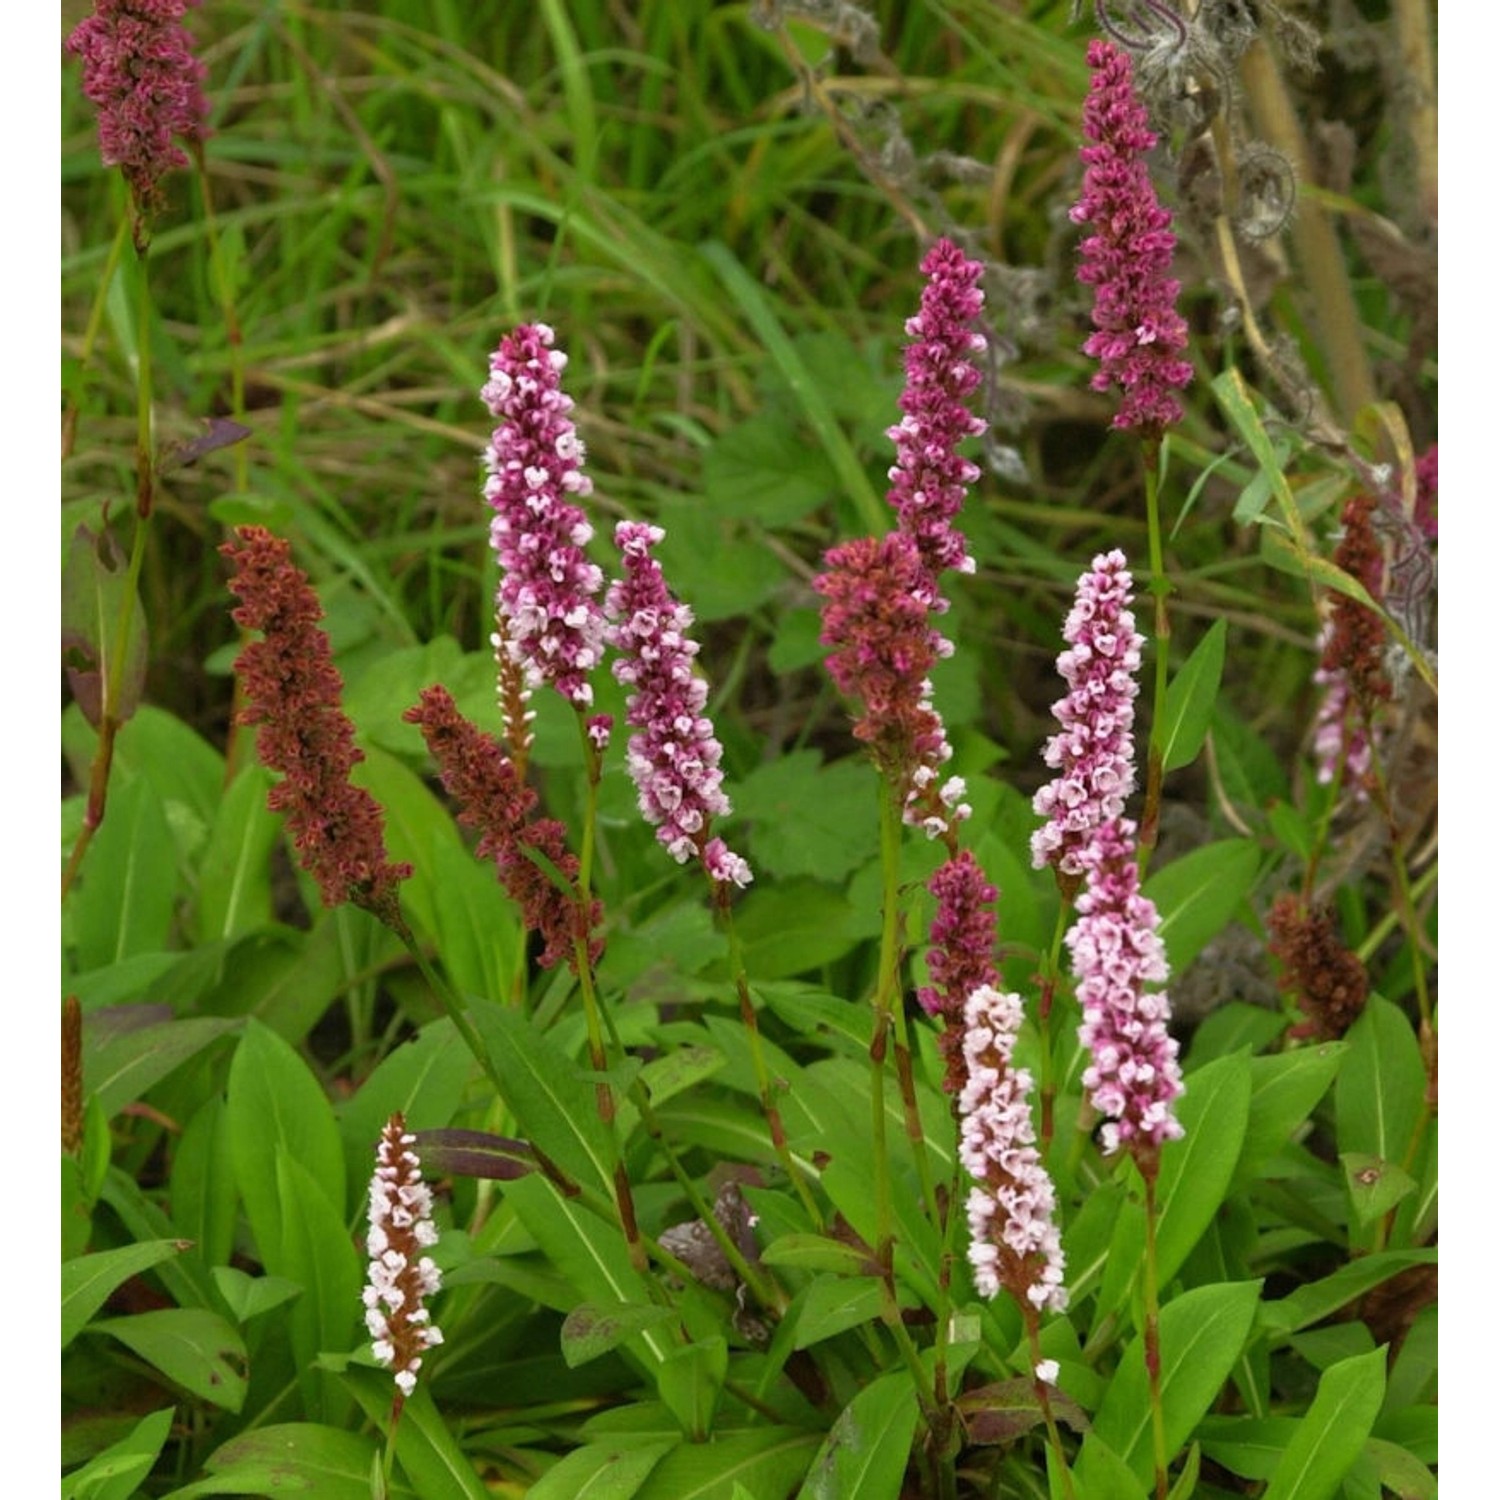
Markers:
point(929, 479)
point(962, 958)
point(1424, 512)
point(673, 757)
point(876, 620)
point(401, 1276)
point(1132, 1077)
point(1329, 981)
point(1093, 750)
point(140, 75)
point(1013, 1240)
point(553, 625)
point(293, 691)
point(1139, 334)
point(478, 775)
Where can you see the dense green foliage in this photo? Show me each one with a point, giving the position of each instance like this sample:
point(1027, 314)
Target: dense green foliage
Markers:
point(721, 209)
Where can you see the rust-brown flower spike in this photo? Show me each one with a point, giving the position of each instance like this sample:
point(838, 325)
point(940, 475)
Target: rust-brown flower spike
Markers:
point(1328, 980)
point(293, 693)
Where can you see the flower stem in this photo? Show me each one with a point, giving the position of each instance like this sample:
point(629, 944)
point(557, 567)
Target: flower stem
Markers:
point(1160, 588)
point(233, 334)
point(91, 332)
point(1152, 1331)
point(1054, 1437)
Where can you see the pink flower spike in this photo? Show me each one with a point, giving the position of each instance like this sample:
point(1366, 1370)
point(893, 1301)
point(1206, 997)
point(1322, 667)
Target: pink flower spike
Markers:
point(1013, 1239)
point(553, 626)
point(140, 75)
point(1128, 258)
point(1093, 750)
point(674, 756)
point(929, 480)
point(962, 958)
point(401, 1277)
point(1133, 1077)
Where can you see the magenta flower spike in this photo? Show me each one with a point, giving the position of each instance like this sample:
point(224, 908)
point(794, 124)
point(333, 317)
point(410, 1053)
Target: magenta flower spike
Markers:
point(1132, 1077)
point(1093, 751)
point(962, 957)
point(553, 626)
point(876, 620)
point(673, 757)
point(145, 84)
point(1013, 1238)
point(1139, 334)
point(929, 480)
point(401, 1277)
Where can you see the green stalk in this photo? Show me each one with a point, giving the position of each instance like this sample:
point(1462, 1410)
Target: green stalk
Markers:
point(1050, 976)
point(1054, 1437)
point(886, 987)
point(1160, 588)
point(1152, 1331)
point(91, 332)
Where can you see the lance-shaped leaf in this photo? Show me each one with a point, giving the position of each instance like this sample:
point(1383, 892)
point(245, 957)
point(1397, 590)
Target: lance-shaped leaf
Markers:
point(95, 582)
point(474, 1153)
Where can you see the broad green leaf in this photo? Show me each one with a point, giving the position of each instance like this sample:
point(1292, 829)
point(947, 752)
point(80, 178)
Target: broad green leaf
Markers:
point(679, 1070)
point(816, 1252)
point(191, 1346)
point(600, 1471)
point(690, 1381)
point(249, 1296)
point(1190, 699)
point(763, 469)
point(1400, 1472)
point(1381, 1086)
point(765, 1461)
point(1202, 1334)
point(95, 588)
point(555, 1109)
point(1248, 1446)
point(291, 1458)
point(1319, 1299)
point(284, 977)
point(204, 1197)
point(1195, 1175)
point(184, 1278)
point(833, 1304)
point(1413, 1379)
point(589, 1252)
point(479, 935)
point(1100, 1473)
point(316, 1253)
point(795, 926)
point(275, 1104)
point(88, 1281)
point(809, 819)
point(126, 1066)
point(865, 1454)
point(234, 875)
point(1332, 1434)
point(128, 890)
point(118, 1472)
point(1198, 895)
point(595, 1328)
point(1284, 1089)
point(1232, 1027)
point(426, 1451)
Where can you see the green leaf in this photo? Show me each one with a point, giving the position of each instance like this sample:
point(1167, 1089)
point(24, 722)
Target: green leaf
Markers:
point(291, 1458)
point(1319, 1299)
point(811, 819)
point(1333, 1433)
point(690, 1382)
point(1101, 1473)
point(1401, 1472)
point(765, 1461)
point(203, 1194)
point(595, 1328)
point(816, 1252)
point(1248, 1446)
point(191, 1346)
point(1379, 1096)
point(1190, 699)
point(275, 1104)
point(1375, 1186)
point(835, 1303)
point(249, 1297)
point(808, 397)
point(1284, 1090)
point(95, 587)
point(88, 1281)
point(426, 1451)
point(865, 1454)
point(1196, 1172)
point(128, 892)
point(794, 926)
point(1202, 1334)
point(1232, 1027)
point(679, 1070)
point(1198, 894)
point(600, 1471)
point(117, 1472)
point(234, 875)
point(554, 1108)
point(763, 469)
point(124, 1068)
point(316, 1253)
point(478, 928)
